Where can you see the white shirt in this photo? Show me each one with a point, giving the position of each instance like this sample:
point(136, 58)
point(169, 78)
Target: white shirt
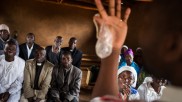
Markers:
point(147, 93)
point(29, 50)
point(11, 77)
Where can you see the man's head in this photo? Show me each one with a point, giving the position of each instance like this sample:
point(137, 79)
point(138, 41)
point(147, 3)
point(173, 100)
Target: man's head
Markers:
point(66, 59)
point(4, 32)
point(129, 56)
point(72, 42)
point(40, 55)
point(10, 48)
point(30, 38)
point(127, 77)
point(161, 39)
point(58, 41)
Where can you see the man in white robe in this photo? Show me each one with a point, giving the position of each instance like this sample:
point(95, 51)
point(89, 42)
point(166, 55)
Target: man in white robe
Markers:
point(11, 74)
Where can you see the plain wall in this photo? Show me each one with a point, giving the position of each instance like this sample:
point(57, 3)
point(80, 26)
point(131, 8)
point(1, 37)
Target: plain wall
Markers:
point(47, 20)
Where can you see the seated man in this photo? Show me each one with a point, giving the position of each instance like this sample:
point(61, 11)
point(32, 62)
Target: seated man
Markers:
point(5, 37)
point(27, 50)
point(37, 75)
point(129, 61)
point(11, 74)
point(66, 81)
point(75, 52)
point(54, 52)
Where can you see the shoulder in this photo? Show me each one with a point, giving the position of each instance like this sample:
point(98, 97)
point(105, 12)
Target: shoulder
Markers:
point(76, 70)
point(143, 86)
point(20, 60)
point(22, 45)
point(48, 47)
point(36, 45)
point(29, 61)
point(133, 91)
point(2, 57)
point(78, 51)
point(49, 64)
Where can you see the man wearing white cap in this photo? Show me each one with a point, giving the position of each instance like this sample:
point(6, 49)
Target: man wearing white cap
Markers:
point(4, 37)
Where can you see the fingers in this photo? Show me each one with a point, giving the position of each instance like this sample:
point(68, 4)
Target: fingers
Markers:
point(112, 7)
point(127, 14)
point(101, 9)
point(118, 9)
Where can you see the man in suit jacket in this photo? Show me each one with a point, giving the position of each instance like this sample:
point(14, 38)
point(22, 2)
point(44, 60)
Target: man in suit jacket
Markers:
point(76, 54)
point(37, 75)
point(27, 50)
point(66, 81)
point(54, 52)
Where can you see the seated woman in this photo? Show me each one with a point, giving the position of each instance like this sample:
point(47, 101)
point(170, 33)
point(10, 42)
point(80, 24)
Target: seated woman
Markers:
point(129, 56)
point(151, 89)
point(127, 78)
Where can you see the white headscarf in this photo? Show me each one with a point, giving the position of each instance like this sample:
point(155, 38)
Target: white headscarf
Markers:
point(4, 27)
point(124, 46)
point(132, 70)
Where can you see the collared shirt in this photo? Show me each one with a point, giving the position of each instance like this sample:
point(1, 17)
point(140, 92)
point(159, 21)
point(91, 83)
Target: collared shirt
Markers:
point(59, 48)
point(29, 50)
point(38, 70)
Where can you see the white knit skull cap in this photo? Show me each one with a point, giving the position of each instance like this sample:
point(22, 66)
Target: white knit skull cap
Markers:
point(4, 27)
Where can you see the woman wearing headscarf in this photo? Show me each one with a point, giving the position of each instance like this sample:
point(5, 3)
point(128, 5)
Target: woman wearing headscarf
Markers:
point(151, 89)
point(129, 61)
point(127, 78)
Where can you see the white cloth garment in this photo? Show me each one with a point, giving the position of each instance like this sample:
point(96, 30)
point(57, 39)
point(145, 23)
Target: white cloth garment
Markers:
point(11, 77)
point(29, 50)
point(146, 91)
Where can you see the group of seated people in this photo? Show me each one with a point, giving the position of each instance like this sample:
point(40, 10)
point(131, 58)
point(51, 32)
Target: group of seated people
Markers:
point(30, 73)
point(118, 83)
point(134, 81)
point(51, 74)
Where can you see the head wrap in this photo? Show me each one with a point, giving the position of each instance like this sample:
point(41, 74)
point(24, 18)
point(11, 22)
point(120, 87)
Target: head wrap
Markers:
point(4, 27)
point(124, 46)
point(132, 70)
point(129, 52)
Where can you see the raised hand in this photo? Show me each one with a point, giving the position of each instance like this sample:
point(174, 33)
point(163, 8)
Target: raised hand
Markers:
point(117, 26)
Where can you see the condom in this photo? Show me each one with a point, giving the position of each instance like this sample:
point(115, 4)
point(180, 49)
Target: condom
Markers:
point(104, 42)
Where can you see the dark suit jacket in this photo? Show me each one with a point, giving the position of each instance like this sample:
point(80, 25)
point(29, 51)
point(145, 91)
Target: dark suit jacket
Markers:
point(76, 55)
point(73, 84)
point(24, 52)
point(53, 57)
